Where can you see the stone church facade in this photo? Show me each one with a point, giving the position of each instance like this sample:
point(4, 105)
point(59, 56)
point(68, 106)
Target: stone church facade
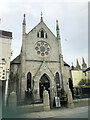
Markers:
point(40, 64)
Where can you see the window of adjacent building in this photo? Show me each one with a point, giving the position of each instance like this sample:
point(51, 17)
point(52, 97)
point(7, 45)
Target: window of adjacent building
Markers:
point(2, 77)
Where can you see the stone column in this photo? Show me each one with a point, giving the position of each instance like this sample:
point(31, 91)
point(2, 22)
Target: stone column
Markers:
point(39, 34)
point(44, 35)
point(23, 86)
point(52, 97)
point(36, 90)
point(12, 101)
point(70, 100)
point(46, 101)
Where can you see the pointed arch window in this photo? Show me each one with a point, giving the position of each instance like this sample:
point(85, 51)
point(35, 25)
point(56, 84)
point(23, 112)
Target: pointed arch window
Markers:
point(42, 34)
point(29, 76)
point(46, 35)
point(57, 79)
point(38, 34)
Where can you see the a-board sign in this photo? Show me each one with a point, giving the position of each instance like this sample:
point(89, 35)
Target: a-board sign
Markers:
point(57, 102)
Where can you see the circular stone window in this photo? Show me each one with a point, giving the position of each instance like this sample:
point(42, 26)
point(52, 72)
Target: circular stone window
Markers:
point(42, 48)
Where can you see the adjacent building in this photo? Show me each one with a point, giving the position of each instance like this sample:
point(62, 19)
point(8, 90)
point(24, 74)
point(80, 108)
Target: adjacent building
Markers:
point(5, 58)
point(78, 73)
point(5, 54)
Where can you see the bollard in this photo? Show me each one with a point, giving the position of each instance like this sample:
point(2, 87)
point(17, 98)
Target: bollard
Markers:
point(46, 101)
point(12, 101)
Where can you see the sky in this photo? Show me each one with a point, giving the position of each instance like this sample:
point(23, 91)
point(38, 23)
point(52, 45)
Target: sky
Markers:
point(71, 14)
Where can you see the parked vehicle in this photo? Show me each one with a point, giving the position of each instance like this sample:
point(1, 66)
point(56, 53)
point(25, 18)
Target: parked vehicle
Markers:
point(82, 91)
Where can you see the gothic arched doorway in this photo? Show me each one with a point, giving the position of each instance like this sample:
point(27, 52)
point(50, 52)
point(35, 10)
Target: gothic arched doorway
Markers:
point(44, 83)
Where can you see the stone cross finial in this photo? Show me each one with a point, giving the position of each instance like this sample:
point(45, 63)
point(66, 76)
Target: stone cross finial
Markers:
point(57, 27)
point(57, 21)
point(41, 16)
point(24, 15)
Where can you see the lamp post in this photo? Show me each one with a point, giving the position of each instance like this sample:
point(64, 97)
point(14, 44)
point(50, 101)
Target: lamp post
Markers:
point(6, 86)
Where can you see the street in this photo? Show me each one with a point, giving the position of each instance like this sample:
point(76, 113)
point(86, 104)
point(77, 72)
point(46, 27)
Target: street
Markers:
point(78, 112)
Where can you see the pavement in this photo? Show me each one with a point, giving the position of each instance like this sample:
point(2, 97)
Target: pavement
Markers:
point(78, 112)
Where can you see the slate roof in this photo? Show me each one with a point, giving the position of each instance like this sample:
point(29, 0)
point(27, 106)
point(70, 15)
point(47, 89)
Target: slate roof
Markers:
point(45, 25)
point(16, 60)
point(65, 64)
point(6, 33)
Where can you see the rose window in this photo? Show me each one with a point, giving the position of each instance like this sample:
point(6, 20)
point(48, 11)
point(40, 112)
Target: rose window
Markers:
point(42, 48)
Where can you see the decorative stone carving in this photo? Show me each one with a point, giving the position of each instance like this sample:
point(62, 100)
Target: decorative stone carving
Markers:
point(42, 48)
point(46, 100)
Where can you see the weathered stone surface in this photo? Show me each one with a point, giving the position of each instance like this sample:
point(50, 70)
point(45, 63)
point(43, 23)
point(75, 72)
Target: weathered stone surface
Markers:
point(70, 101)
point(12, 101)
point(30, 60)
point(46, 103)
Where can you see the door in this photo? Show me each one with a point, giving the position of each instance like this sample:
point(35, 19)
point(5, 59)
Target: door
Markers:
point(44, 84)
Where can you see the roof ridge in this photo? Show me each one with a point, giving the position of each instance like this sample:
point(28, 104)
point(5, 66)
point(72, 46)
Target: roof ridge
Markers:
point(45, 25)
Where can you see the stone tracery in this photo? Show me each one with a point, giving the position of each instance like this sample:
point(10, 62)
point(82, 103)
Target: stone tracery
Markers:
point(42, 48)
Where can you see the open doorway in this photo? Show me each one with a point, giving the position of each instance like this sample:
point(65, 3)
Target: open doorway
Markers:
point(44, 84)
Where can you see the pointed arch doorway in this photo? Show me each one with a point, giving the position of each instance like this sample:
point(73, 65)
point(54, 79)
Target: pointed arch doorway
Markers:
point(44, 83)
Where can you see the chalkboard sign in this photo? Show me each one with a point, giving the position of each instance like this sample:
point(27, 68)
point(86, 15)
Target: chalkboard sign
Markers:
point(57, 102)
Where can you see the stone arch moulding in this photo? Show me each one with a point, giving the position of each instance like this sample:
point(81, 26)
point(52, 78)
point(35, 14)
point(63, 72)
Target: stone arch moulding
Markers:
point(44, 83)
point(51, 81)
point(42, 33)
point(41, 73)
point(46, 76)
point(43, 69)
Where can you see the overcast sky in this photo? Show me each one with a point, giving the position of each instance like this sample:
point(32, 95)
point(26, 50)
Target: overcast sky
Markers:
point(73, 21)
